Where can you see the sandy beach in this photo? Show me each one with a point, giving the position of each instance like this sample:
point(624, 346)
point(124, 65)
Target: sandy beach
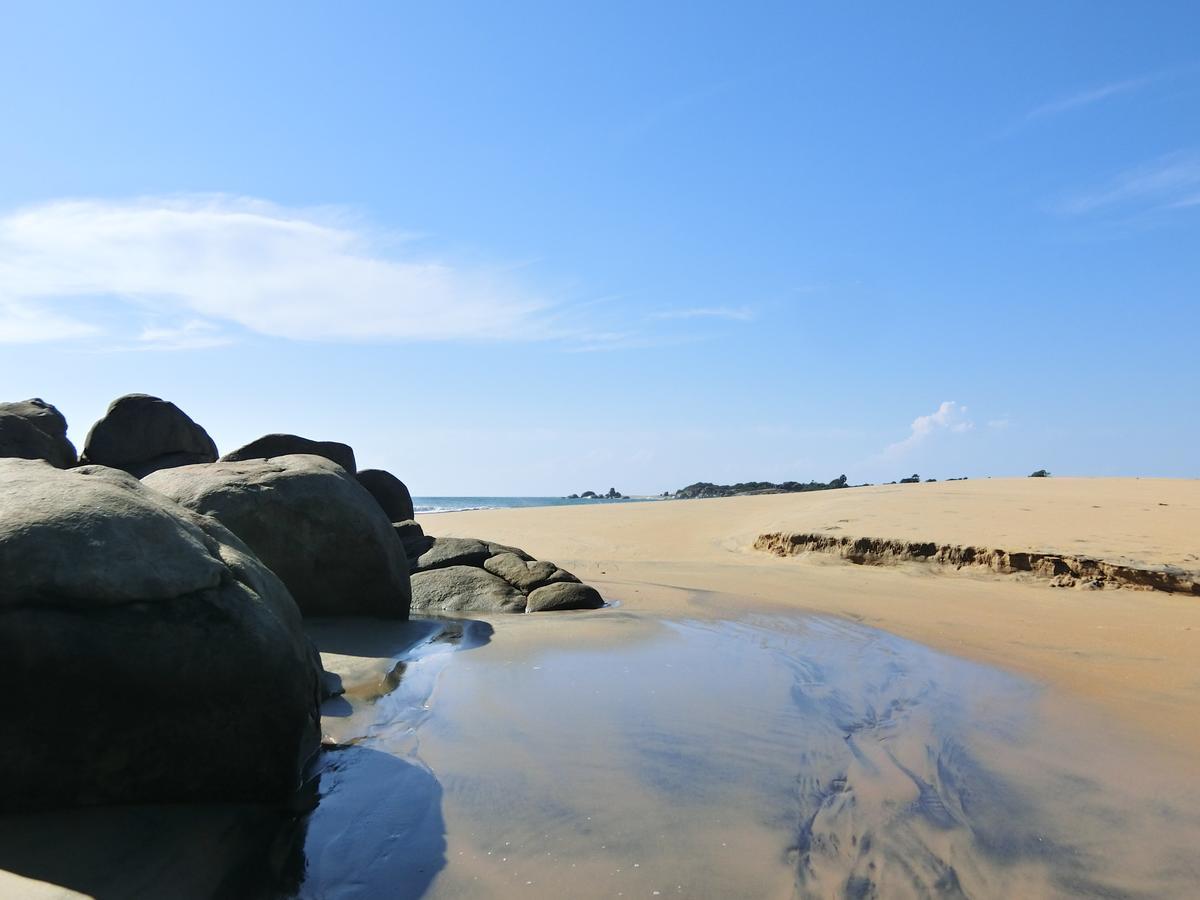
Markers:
point(1134, 653)
point(734, 723)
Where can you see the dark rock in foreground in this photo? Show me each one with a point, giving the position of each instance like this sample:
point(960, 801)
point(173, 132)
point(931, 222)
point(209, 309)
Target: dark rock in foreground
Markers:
point(271, 445)
point(390, 492)
point(149, 657)
point(34, 429)
point(310, 522)
point(142, 434)
point(456, 574)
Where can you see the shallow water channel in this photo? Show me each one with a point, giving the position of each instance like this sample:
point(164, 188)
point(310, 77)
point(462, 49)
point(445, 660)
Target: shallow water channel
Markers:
point(617, 754)
point(612, 754)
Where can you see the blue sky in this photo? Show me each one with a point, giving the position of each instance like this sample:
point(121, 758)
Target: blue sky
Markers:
point(542, 248)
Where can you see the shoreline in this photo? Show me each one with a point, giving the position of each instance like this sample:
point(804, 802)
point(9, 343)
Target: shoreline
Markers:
point(1134, 653)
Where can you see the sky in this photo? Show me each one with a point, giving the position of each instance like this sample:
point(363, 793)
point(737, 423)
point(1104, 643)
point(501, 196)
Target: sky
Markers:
point(541, 248)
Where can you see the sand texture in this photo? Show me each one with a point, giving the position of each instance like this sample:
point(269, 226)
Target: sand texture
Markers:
point(1137, 652)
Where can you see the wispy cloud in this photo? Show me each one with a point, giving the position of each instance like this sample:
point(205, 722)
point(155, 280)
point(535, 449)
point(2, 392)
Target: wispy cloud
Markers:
point(181, 271)
point(948, 417)
point(736, 314)
point(1168, 182)
point(1090, 96)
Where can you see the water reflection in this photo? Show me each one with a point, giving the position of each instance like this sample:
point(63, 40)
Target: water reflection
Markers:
point(615, 754)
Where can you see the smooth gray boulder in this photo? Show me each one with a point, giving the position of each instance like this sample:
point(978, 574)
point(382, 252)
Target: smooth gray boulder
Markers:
point(142, 434)
point(414, 539)
point(310, 522)
point(35, 429)
point(452, 551)
point(564, 595)
point(148, 655)
point(271, 445)
point(390, 492)
point(526, 575)
point(462, 588)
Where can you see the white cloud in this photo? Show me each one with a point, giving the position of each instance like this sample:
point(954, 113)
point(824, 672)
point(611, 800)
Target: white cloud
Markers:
point(950, 416)
point(23, 323)
point(734, 313)
point(183, 270)
point(1088, 97)
point(1170, 181)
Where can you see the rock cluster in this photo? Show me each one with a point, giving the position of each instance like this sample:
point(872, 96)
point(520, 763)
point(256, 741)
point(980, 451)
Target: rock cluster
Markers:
point(149, 655)
point(152, 629)
point(456, 574)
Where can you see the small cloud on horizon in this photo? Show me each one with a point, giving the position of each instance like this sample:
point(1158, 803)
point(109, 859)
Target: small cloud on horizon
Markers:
point(948, 417)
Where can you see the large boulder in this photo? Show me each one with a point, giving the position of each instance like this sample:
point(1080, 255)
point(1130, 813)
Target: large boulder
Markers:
point(271, 445)
point(312, 524)
point(390, 492)
point(460, 588)
point(148, 655)
point(35, 429)
point(142, 434)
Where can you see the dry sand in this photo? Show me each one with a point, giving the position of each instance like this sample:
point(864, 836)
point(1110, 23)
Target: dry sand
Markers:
point(1137, 653)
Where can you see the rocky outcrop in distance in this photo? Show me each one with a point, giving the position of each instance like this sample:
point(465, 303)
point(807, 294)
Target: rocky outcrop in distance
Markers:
point(1060, 570)
point(613, 494)
point(705, 489)
point(150, 655)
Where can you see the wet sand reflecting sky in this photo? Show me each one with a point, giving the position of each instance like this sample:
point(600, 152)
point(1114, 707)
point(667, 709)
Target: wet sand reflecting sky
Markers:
point(612, 754)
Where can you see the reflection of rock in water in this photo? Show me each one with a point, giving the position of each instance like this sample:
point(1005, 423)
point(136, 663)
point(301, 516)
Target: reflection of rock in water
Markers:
point(377, 830)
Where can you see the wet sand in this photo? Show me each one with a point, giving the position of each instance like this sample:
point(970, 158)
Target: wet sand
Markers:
point(739, 750)
point(1136, 654)
point(767, 754)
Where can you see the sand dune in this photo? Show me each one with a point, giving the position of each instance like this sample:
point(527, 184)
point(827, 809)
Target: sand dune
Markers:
point(1135, 652)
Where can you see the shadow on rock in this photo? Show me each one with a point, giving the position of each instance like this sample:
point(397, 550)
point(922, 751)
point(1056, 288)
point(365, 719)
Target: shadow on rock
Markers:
point(182, 851)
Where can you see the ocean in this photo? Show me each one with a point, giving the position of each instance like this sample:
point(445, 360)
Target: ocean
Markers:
point(426, 505)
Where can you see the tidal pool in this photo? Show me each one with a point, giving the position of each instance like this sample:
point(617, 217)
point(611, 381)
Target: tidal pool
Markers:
point(612, 754)
point(617, 754)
